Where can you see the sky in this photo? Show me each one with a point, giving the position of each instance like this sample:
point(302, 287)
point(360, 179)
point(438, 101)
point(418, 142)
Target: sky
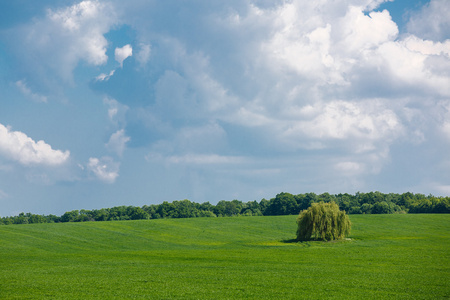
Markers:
point(109, 103)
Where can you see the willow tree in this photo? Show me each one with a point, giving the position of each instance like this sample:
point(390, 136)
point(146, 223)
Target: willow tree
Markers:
point(323, 221)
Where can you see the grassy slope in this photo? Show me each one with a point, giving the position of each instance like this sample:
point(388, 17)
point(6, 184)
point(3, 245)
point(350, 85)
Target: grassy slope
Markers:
point(390, 256)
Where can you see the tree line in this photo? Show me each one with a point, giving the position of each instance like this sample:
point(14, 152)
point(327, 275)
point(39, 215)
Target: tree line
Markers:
point(282, 204)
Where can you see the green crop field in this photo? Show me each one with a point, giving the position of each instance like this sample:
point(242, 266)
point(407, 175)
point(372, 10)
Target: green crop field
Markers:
point(388, 256)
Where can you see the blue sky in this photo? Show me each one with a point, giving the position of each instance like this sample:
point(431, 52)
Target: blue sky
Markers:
point(107, 103)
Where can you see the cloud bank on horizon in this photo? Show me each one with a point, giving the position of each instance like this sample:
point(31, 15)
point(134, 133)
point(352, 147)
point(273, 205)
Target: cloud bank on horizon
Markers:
point(109, 103)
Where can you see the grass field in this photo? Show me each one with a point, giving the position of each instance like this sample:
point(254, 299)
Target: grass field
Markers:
point(389, 256)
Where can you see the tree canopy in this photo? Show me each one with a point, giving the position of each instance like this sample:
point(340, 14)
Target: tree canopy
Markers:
point(323, 221)
point(281, 204)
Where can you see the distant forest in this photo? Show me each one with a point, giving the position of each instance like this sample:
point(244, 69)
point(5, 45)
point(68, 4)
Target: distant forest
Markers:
point(282, 204)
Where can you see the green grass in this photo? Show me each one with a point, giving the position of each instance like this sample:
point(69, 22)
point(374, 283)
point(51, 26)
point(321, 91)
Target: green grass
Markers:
point(389, 256)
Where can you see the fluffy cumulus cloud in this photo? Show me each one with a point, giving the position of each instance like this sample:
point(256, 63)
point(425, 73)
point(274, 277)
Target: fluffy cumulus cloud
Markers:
point(359, 125)
point(324, 47)
point(432, 21)
point(19, 147)
point(310, 75)
point(84, 25)
point(63, 38)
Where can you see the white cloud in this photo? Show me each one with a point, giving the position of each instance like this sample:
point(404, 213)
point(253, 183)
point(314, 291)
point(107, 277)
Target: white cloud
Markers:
point(22, 85)
point(427, 47)
point(297, 46)
point(300, 54)
point(105, 168)
point(432, 21)
point(85, 22)
point(323, 46)
point(312, 57)
point(122, 53)
point(54, 45)
point(354, 126)
point(298, 76)
point(104, 77)
point(19, 147)
point(360, 32)
point(409, 63)
point(117, 142)
point(347, 120)
point(295, 59)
